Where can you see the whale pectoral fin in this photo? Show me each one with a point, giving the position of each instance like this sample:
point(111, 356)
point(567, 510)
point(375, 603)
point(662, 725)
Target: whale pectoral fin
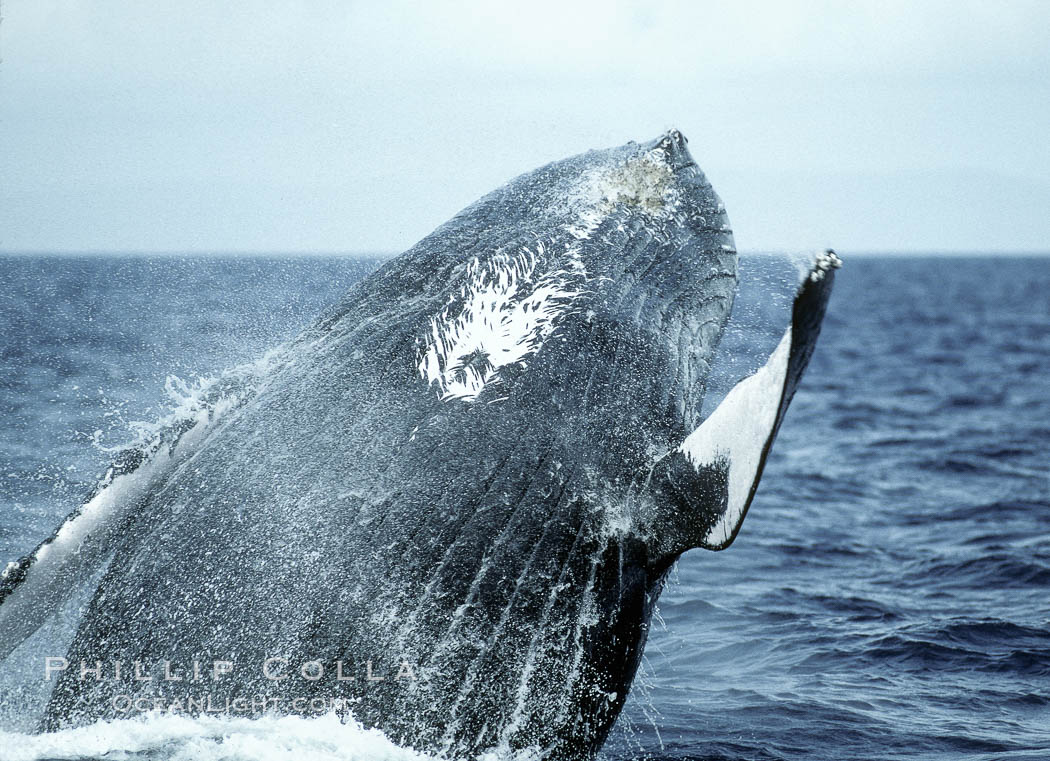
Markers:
point(705, 486)
point(72, 558)
point(37, 585)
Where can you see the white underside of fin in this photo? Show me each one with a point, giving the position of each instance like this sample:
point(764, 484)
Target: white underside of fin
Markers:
point(738, 432)
point(86, 539)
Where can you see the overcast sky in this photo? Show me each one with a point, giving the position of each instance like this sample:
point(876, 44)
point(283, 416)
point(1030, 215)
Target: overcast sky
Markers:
point(359, 127)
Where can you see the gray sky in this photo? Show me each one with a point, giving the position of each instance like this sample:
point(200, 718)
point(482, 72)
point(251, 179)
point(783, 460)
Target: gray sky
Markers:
point(336, 126)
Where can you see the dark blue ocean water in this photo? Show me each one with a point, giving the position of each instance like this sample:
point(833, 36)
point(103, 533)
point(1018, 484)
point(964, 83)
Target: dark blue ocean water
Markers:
point(889, 594)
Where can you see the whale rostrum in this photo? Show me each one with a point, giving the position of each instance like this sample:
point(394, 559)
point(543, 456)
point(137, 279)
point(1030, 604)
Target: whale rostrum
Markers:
point(450, 504)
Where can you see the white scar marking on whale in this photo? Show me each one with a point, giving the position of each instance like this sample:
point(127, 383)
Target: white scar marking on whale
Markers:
point(506, 311)
point(512, 304)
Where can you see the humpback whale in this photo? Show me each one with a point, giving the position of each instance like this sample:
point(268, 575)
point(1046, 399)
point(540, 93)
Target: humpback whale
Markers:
point(452, 500)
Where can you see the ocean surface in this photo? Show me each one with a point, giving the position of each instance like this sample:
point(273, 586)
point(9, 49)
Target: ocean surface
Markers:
point(888, 596)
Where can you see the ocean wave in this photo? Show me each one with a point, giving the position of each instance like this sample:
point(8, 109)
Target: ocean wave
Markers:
point(997, 569)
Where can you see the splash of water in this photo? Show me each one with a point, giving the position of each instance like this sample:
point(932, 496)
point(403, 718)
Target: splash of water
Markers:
point(174, 737)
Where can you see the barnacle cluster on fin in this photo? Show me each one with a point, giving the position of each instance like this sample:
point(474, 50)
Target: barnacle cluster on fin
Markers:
point(826, 260)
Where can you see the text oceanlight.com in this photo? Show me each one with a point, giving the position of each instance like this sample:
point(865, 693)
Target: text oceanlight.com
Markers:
point(204, 703)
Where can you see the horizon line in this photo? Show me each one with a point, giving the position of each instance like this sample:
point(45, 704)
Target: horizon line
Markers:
point(347, 254)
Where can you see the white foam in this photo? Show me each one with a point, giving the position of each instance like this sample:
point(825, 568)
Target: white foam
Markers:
point(175, 737)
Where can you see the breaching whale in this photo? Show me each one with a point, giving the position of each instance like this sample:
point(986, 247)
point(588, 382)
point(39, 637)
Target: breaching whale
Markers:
point(475, 472)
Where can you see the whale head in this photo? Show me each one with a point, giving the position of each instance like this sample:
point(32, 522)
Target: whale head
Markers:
point(600, 282)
